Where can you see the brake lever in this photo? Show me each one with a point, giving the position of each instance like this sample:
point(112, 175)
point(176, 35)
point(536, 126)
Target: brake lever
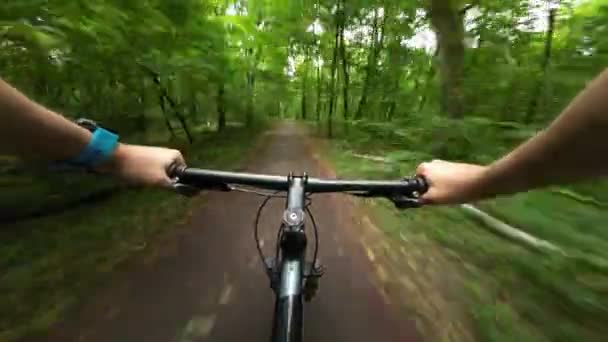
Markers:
point(175, 171)
point(365, 194)
point(400, 201)
point(189, 190)
point(184, 189)
point(404, 202)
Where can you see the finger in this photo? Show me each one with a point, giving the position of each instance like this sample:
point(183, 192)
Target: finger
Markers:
point(177, 157)
point(425, 200)
point(165, 182)
point(173, 169)
point(180, 158)
point(421, 169)
point(176, 163)
point(428, 198)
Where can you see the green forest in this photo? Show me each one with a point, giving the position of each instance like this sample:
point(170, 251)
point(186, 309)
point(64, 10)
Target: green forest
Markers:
point(382, 84)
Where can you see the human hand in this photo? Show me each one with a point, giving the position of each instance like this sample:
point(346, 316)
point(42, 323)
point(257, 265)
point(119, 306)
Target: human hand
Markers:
point(143, 165)
point(450, 183)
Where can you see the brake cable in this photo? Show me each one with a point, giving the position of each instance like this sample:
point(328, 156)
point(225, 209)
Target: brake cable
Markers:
point(256, 224)
point(268, 197)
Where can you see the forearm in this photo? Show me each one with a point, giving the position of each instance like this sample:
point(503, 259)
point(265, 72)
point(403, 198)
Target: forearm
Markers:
point(29, 129)
point(573, 147)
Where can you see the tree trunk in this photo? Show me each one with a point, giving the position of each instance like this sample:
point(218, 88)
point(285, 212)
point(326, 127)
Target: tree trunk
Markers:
point(319, 74)
point(164, 95)
point(319, 89)
point(221, 109)
point(250, 100)
point(509, 106)
point(184, 125)
point(390, 112)
point(536, 94)
point(179, 115)
point(161, 101)
point(332, 87)
point(345, 75)
point(429, 77)
point(304, 91)
point(251, 75)
point(392, 94)
point(141, 121)
point(370, 68)
point(193, 102)
point(447, 22)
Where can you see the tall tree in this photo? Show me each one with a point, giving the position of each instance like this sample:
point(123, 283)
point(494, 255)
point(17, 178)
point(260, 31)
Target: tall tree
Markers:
point(319, 91)
point(221, 107)
point(544, 67)
point(447, 21)
point(334, 61)
point(376, 44)
point(304, 99)
point(345, 66)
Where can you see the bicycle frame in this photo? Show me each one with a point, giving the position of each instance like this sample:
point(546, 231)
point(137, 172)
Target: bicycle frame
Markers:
point(288, 316)
point(291, 264)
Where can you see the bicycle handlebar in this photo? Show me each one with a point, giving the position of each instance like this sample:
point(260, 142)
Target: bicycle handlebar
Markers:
point(405, 191)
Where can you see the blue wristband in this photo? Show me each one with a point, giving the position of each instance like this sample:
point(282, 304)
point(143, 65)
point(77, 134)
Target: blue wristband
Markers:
point(100, 148)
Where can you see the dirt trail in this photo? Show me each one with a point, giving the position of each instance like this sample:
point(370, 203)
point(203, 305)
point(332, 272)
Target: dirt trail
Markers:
point(205, 281)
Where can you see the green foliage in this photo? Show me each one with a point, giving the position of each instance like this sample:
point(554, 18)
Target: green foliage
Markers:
point(76, 55)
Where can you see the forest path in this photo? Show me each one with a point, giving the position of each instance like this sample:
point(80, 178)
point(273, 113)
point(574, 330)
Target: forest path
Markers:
point(205, 282)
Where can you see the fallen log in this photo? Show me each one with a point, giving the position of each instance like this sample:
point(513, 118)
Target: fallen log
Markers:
point(510, 232)
point(370, 157)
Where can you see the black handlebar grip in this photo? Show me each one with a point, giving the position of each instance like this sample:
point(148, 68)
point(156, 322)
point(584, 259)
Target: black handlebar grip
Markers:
point(422, 183)
point(175, 170)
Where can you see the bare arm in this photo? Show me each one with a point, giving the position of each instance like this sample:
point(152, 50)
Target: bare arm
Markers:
point(30, 130)
point(574, 147)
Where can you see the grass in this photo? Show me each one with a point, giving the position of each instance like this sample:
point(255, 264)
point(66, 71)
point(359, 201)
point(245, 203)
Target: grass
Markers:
point(49, 264)
point(514, 294)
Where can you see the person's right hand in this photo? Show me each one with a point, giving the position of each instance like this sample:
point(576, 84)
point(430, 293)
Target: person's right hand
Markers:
point(450, 183)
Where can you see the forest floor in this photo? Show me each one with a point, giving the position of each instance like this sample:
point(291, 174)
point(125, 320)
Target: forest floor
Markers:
point(203, 280)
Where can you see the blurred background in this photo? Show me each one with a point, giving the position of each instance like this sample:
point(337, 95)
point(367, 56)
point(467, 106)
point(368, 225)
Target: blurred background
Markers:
point(384, 84)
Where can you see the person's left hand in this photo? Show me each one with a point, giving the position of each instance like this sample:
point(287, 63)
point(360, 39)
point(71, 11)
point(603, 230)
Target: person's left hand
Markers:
point(143, 165)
